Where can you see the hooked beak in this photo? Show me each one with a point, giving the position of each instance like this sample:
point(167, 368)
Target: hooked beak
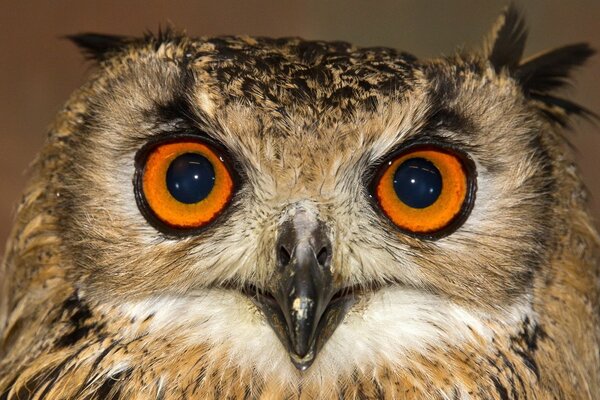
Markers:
point(304, 309)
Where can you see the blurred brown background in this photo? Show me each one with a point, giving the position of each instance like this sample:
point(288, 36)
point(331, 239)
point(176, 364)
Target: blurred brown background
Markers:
point(39, 70)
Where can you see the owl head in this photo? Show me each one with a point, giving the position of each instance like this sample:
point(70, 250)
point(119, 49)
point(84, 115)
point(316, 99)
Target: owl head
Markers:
point(338, 207)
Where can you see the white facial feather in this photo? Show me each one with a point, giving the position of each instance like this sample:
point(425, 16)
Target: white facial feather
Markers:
point(392, 327)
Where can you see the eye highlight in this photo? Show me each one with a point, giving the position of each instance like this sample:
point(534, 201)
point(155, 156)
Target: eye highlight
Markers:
point(425, 190)
point(185, 184)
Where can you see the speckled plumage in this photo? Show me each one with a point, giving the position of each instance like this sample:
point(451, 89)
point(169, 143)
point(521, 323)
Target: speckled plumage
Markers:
point(98, 304)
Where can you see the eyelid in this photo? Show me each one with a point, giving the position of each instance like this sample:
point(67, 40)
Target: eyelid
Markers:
point(163, 138)
point(423, 139)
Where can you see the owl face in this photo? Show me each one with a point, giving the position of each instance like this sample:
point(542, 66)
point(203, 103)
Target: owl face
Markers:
point(319, 202)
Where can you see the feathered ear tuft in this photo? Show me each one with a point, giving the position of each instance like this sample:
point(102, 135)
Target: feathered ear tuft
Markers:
point(98, 47)
point(550, 70)
point(541, 74)
point(505, 46)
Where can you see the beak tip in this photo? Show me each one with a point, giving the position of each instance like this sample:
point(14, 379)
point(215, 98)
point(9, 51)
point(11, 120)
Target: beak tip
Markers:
point(302, 363)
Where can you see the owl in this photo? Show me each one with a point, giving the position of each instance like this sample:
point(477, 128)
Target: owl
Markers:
point(256, 218)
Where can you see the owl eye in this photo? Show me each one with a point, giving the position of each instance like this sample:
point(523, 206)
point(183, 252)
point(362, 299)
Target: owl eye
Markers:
point(425, 190)
point(185, 184)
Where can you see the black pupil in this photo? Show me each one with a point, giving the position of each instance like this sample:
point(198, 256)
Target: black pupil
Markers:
point(418, 183)
point(190, 178)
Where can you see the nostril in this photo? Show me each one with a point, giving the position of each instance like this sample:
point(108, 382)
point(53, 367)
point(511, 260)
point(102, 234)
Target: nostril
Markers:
point(322, 256)
point(284, 256)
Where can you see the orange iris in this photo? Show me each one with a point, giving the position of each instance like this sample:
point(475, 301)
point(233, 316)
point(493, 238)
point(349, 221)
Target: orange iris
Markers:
point(443, 210)
point(165, 206)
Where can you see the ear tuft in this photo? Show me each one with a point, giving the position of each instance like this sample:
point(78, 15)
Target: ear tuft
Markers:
point(550, 70)
point(505, 46)
point(98, 47)
point(544, 73)
point(540, 75)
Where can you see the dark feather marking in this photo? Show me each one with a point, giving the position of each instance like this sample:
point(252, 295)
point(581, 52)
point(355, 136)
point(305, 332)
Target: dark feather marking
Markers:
point(78, 320)
point(176, 112)
point(526, 344)
point(502, 391)
point(380, 393)
point(528, 361)
point(218, 388)
point(72, 302)
point(97, 362)
point(109, 389)
point(513, 374)
point(247, 393)
point(530, 334)
point(55, 374)
point(148, 317)
point(440, 117)
point(508, 41)
point(201, 375)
